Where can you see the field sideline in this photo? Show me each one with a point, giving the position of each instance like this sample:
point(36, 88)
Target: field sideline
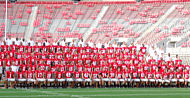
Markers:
point(97, 93)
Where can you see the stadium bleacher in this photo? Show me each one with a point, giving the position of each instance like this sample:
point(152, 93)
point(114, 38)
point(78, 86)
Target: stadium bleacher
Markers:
point(145, 25)
point(122, 19)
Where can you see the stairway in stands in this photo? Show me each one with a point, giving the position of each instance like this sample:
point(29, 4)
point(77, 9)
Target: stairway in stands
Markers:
point(95, 23)
point(142, 39)
point(31, 20)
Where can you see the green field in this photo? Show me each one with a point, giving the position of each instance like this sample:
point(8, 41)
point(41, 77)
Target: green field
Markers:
point(97, 93)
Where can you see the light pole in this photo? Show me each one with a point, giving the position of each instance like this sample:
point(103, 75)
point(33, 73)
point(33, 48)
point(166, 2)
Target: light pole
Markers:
point(6, 21)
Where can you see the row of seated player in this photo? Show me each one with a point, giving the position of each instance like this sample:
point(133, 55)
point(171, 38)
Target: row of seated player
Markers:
point(101, 60)
point(90, 64)
point(97, 78)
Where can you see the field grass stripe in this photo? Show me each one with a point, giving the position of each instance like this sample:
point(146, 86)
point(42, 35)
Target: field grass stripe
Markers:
point(103, 95)
point(120, 91)
point(173, 94)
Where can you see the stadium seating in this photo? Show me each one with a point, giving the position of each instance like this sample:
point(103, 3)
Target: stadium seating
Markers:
point(122, 19)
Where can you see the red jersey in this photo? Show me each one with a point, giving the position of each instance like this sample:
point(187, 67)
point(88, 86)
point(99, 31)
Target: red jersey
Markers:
point(42, 67)
point(143, 50)
point(10, 74)
point(111, 74)
point(178, 75)
point(104, 74)
point(134, 74)
point(8, 62)
point(127, 74)
point(59, 75)
point(171, 75)
point(30, 74)
point(119, 75)
point(77, 75)
point(86, 75)
point(71, 68)
point(68, 74)
point(49, 75)
point(186, 75)
point(39, 74)
point(149, 75)
point(62, 68)
point(20, 75)
point(89, 68)
point(23, 68)
point(165, 75)
point(154, 67)
point(95, 75)
point(172, 68)
point(123, 67)
point(157, 75)
point(142, 75)
point(2, 55)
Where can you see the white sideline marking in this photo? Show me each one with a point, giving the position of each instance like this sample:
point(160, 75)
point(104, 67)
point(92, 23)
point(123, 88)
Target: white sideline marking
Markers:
point(56, 94)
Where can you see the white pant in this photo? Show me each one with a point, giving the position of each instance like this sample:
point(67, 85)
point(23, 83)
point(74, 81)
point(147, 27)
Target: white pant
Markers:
point(96, 80)
point(173, 80)
point(136, 80)
point(70, 79)
point(168, 81)
point(121, 80)
point(21, 80)
point(79, 80)
point(105, 79)
point(87, 80)
point(181, 80)
point(31, 80)
point(114, 80)
point(11, 79)
point(144, 80)
point(40, 80)
point(152, 80)
point(60, 80)
point(50, 80)
point(158, 80)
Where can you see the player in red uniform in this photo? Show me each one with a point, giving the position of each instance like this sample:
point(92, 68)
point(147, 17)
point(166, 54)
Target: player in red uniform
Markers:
point(49, 77)
point(69, 77)
point(21, 78)
point(30, 77)
point(104, 78)
point(60, 78)
point(165, 78)
point(96, 78)
point(78, 76)
point(10, 78)
point(86, 75)
point(135, 77)
point(179, 77)
point(186, 78)
point(112, 77)
point(172, 78)
point(127, 77)
point(40, 77)
point(120, 77)
point(143, 78)
point(150, 78)
point(157, 77)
